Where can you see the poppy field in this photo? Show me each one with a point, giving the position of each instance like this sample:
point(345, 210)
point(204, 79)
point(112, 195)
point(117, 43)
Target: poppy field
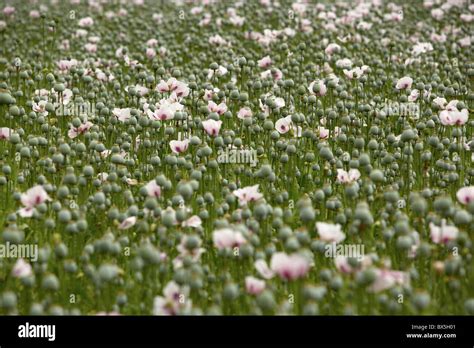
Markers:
point(267, 157)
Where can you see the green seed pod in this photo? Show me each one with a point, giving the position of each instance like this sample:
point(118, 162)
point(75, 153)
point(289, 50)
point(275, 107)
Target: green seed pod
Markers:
point(421, 301)
point(50, 282)
point(377, 176)
point(8, 300)
point(231, 292)
point(266, 301)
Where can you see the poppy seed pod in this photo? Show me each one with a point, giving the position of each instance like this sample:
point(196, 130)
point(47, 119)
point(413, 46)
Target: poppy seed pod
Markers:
point(50, 282)
point(377, 176)
point(266, 301)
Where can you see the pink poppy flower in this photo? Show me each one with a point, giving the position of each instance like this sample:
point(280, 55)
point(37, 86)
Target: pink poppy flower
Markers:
point(422, 47)
point(263, 269)
point(414, 95)
point(103, 176)
point(21, 269)
point(33, 197)
point(322, 88)
point(128, 223)
point(177, 88)
point(121, 114)
point(437, 13)
point(279, 102)
point(82, 129)
point(393, 16)
point(196, 10)
point(349, 177)
point(238, 21)
point(34, 14)
point(8, 10)
point(102, 76)
point(171, 302)
point(167, 109)
point(438, 38)
point(332, 48)
point(150, 53)
point(244, 113)
point(330, 233)
point(66, 95)
point(289, 267)
point(467, 17)
point(323, 133)
point(65, 64)
point(283, 125)
point(452, 105)
point(43, 92)
point(265, 62)
point(227, 238)
point(342, 263)
point(465, 41)
point(443, 234)
point(219, 109)
point(254, 286)
point(385, 279)
point(453, 117)
point(157, 17)
point(404, 83)
point(276, 74)
point(153, 189)
point(64, 45)
point(220, 71)
point(345, 63)
point(130, 62)
point(441, 102)
point(81, 33)
point(5, 133)
point(194, 221)
point(90, 47)
point(247, 194)
point(356, 73)
point(209, 93)
point(217, 40)
point(94, 39)
point(152, 43)
point(212, 127)
point(86, 22)
point(179, 146)
point(465, 195)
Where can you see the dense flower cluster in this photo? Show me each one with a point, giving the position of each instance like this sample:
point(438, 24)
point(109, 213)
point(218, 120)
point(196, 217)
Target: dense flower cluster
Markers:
point(113, 115)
